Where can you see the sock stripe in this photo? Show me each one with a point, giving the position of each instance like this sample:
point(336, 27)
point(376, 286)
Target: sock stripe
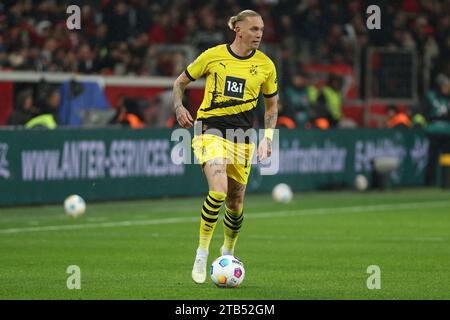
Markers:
point(209, 216)
point(214, 199)
point(234, 213)
point(205, 205)
point(228, 219)
point(211, 220)
point(214, 206)
point(210, 212)
point(235, 228)
point(233, 223)
point(234, 218)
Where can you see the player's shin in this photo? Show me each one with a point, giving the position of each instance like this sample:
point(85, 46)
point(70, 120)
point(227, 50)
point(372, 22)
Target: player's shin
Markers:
point(209, 216)
point(232, 223)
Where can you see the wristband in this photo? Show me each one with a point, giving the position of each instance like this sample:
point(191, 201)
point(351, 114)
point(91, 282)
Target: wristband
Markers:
point(268, 133)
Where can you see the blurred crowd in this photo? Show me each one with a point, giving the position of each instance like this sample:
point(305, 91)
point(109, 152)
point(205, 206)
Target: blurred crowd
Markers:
point(120, 37)
point(128, 38)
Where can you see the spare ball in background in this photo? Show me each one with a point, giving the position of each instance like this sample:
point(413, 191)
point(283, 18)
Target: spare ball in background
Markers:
point(361, 182)
point(74, 206)
point(282, 193)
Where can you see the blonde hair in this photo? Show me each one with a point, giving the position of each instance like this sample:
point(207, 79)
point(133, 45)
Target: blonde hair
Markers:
point(241, 17)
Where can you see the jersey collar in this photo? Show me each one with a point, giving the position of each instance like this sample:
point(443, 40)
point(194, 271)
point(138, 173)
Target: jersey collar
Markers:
point(240, 57)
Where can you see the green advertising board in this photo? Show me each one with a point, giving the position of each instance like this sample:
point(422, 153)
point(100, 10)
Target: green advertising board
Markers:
point(45, 166)
point(331, 159)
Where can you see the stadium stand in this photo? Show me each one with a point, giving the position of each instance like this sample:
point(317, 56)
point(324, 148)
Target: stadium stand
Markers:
point(143, 38)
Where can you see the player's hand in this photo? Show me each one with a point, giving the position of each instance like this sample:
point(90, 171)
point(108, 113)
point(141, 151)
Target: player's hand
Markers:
point(184, 118)
point(264, 149)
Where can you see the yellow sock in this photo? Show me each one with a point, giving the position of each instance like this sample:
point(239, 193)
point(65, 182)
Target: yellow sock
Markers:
point(210, 213)
point(232, 223)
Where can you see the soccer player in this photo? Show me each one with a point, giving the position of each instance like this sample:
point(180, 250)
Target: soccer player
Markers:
point(235, 76)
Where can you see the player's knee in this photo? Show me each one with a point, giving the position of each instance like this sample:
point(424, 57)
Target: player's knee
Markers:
point(236, 207)
point(234, 202)
point(223, 189)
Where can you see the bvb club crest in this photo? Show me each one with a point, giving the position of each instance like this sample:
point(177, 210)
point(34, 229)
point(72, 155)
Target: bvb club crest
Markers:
point(253, 70)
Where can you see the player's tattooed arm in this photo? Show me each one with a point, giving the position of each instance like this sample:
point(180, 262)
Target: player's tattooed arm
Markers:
point(271, 114)
point(184, 118)
point(270, 121)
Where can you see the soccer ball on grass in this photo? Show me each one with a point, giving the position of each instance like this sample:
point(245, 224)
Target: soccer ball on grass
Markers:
point(227, 271)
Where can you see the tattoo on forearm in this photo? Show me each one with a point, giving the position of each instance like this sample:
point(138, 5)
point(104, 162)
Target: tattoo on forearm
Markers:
point(270, 120)
point(178, 90)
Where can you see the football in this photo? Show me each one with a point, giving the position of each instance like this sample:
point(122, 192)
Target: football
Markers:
point(361, 183)
point(282, 193)
point(74, 206)
point(227, 271)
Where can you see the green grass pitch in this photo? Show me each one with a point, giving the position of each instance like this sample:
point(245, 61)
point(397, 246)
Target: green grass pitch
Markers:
point(319, 246)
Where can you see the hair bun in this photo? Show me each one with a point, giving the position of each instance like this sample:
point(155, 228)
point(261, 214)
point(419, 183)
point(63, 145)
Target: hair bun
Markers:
point(232, 22)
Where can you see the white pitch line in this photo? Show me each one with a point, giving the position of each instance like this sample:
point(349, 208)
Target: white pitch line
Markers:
point(356, 209)
point(127, 223)
point(263, 215)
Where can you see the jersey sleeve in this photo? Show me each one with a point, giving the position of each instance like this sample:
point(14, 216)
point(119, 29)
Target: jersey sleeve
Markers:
point(270, 86)
point(198, 67)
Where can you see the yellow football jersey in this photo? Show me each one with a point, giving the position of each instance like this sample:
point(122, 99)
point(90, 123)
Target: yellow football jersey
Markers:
point(233, 84)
